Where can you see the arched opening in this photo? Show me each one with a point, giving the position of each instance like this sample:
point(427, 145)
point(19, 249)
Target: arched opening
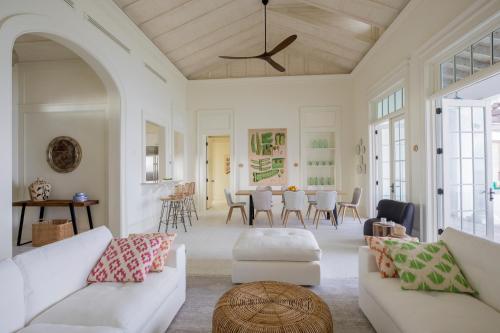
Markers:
point(57, 94)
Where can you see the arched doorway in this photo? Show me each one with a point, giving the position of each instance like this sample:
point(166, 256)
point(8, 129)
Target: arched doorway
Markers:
point(12, 29)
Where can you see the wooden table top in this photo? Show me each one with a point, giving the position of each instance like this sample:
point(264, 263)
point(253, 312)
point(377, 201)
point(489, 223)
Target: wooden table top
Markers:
point(54, 203)
point(280, 192)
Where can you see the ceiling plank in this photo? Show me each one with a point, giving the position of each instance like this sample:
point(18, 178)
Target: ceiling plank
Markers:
point(367, 11)
point(145, 10)
point(217, 36)
point(349, 58)
point(180, 16)
point(230, 46)
point(206, 24)
point(330, 34)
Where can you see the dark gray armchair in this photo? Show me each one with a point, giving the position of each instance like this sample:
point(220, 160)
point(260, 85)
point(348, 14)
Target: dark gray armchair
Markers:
point(397, 211)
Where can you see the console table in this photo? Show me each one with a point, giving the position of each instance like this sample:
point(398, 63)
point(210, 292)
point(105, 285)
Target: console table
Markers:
point(53, 203)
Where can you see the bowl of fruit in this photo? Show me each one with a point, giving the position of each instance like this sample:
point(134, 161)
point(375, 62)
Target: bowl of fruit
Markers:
point(293, 188)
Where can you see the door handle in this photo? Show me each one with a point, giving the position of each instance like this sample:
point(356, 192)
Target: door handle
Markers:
point(492, 194)
point(392, 188)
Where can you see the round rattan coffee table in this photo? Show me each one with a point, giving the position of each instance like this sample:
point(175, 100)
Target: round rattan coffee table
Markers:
point(271, 307)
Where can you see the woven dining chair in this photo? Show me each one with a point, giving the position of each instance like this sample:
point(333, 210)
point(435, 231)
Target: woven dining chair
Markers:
point(294, 203)
point(262, 202)
point(353, 205)
point(232, 205)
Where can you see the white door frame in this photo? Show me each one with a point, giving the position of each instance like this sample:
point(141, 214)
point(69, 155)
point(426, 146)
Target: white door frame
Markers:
point(203, 132)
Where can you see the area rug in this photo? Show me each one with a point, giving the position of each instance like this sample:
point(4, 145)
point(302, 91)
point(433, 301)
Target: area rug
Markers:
point(195, 316)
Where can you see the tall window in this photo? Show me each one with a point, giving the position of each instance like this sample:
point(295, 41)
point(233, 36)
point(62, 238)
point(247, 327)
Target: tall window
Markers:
point(389, 146)
point(393, 102)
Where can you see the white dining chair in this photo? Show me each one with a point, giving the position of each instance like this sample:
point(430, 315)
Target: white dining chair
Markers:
point(284, 188)
point(262, 202)
point(326, 201)
point(294, 202)
point(353, 205)
point(232, 205)
point(264, 188)
point(311, 200)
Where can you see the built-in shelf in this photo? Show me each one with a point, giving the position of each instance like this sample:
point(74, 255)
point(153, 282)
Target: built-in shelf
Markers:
point(318, 144)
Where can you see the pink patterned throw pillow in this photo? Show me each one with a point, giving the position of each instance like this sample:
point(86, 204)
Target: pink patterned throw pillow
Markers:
point(126, 260)
point(166, 243)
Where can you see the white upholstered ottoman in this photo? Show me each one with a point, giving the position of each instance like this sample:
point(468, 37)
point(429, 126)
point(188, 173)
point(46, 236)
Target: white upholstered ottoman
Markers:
point(287, 255)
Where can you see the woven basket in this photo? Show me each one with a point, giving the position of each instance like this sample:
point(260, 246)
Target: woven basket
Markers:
point(271, 307)
point(47, 232)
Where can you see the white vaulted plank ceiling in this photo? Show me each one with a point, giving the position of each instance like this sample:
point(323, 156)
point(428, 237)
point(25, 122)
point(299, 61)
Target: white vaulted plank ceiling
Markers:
point(333, 35)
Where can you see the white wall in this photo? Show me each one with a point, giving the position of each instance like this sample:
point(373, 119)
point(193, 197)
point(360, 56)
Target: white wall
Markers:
point(133, 91)
point(398, 56)
point(269, 103)
point(52, 103)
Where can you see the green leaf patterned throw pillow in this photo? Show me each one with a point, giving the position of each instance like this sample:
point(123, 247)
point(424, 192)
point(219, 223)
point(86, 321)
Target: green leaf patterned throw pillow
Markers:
point(428, 266)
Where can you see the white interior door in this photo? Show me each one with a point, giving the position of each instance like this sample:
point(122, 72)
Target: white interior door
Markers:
point(398, 161)
point(390, 160)
point(210, 174)
point(382, 162)
point(466, 177)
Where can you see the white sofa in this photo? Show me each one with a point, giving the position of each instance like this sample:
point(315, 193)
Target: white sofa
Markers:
point(45, 290)
point(391, 309)
point(279, 254)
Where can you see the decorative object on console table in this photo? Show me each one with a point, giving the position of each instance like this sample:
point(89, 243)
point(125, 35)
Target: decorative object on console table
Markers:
point(80, 197)
point(269, 306)
point(64, 154)
point(39, 190)
point(46, 232)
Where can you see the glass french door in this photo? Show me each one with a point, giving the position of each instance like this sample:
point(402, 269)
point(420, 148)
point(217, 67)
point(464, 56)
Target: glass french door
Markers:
point(390, 160)
point(464, 163)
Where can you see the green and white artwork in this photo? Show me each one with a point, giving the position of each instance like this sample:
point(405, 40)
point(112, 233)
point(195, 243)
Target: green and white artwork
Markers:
point(267, 156)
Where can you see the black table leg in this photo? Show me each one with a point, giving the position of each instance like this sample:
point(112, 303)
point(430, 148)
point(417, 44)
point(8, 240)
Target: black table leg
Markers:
point(40, 215)
point(73, 218)
point(21, 222)
point(89, 215)
point(250, 212)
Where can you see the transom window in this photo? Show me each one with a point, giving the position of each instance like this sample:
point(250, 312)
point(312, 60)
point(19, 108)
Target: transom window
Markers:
point(391, 103)
point(481, 54)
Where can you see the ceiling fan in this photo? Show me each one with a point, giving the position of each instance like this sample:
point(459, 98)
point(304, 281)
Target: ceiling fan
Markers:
point(266, 56)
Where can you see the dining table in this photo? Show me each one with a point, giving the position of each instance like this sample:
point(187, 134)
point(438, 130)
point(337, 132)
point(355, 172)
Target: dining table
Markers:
point(251, 210)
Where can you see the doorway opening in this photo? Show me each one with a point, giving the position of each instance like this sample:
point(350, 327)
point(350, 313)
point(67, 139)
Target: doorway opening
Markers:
point(48, 103)
point(468, 159)
point(218, 170)
point(390, 160)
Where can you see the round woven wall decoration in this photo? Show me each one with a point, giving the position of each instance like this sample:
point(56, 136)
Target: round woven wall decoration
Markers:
point(64, 154)
point(271, 307)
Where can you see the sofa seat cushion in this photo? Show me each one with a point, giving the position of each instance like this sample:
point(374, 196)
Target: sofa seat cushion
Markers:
point(421, 311)
point(277, 245)
point(123, 305)
point(46, 328)
point(12, 306)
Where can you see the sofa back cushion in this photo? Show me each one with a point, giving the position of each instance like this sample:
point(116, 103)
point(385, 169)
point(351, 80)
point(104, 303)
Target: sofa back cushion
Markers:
point(11, 297)
point(57, 270)
point(478, 260)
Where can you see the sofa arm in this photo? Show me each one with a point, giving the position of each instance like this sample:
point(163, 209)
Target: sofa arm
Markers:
point(367, 261)
point(177, 257)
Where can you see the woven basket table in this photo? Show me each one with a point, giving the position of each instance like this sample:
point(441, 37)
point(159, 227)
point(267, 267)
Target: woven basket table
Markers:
point(271, 307)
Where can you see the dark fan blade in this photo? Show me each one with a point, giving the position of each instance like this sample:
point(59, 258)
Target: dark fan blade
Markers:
point(228, 57)
point(282, 45)
point(274, 64)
